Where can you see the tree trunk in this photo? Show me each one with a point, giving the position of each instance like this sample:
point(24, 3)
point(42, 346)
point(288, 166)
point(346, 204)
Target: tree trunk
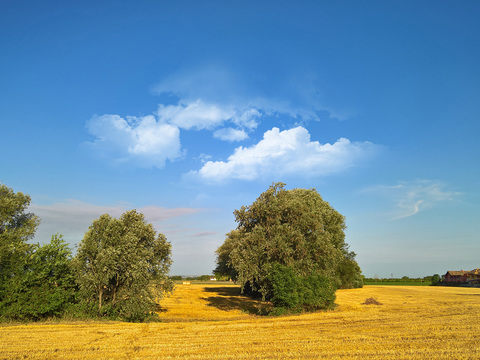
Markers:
point(100, 294)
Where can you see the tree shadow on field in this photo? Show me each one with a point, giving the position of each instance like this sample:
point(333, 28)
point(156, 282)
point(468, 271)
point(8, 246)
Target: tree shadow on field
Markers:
point(160, 309)
point(228, 298)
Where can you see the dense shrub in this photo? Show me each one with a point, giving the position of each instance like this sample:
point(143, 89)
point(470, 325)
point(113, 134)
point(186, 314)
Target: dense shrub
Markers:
point(45, 286)
point(295, 293)
point(435, 279)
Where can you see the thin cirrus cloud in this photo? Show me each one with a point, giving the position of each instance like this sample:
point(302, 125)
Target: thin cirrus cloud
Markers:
point(412, 197)
point(200, 114)
point(287, 152)
point(196, 115)
point(230, 134)
point(293, 95)
point(72, 218)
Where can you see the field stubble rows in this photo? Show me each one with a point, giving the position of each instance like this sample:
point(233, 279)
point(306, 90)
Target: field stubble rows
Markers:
point(216, 322)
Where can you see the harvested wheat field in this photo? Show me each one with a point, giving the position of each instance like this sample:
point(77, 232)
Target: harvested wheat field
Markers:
point(216, 322)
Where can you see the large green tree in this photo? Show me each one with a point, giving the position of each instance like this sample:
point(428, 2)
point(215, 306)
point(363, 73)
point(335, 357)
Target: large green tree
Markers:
point(295, 229)
point(122, 266)
point(16, 227)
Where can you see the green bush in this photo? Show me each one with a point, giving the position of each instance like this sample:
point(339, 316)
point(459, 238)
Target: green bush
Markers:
point(435, 279)
point(44, 288)
point(294, 293)
point(318, 293)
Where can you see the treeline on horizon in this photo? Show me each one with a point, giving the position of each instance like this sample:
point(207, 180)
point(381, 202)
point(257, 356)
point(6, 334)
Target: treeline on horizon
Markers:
point(366, 280)
point(288, 248)
point(404, 279)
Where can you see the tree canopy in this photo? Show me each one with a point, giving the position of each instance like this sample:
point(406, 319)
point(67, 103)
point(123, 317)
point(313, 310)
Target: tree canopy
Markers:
point(122, 266)
point(16, 228)
point(120, 269)
point(296, 229)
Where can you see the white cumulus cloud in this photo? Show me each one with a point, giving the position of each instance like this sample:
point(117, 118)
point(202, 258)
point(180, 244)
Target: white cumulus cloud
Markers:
point(217, 100)
point(143, 139)
point(288, 152)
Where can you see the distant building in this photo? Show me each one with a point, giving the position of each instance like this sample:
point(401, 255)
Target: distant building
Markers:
point(213, 278)
point(473, 277)
point(462, 276)
point(456, 276)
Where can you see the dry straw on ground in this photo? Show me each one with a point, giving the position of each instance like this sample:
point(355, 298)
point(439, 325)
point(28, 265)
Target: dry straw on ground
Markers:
point(371, 301)
point(216, 322)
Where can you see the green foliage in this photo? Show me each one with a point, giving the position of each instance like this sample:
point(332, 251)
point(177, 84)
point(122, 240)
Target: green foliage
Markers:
point(294, 293)
point(16, 228)
point(436, 279)
point(122, 266)
point(349, 273)
point(204, 277)
point(403, 281)
point(224, 268)
point(294, 228)
point(45, 286)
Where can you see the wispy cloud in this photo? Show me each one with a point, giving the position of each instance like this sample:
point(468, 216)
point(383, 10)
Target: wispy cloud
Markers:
point(204, 233)
point(201, 114)
point(295, 95)
point(73, 217)
point(412, 197)
point(287, 152)
point(230, 134)
point(196, 115)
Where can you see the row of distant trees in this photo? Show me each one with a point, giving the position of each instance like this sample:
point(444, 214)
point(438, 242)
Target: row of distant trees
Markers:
point(288, 248)
point(404, 279)
point(197, 278)
point(119, 271)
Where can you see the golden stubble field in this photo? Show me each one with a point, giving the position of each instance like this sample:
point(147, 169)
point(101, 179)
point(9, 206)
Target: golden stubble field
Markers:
point(216, 322)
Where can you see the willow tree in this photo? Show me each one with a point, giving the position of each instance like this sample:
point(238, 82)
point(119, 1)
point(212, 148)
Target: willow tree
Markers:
point(294, 229)
point(122, 266)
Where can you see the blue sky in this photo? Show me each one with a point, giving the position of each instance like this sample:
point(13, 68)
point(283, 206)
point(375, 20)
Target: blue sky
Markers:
point(187, 110)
